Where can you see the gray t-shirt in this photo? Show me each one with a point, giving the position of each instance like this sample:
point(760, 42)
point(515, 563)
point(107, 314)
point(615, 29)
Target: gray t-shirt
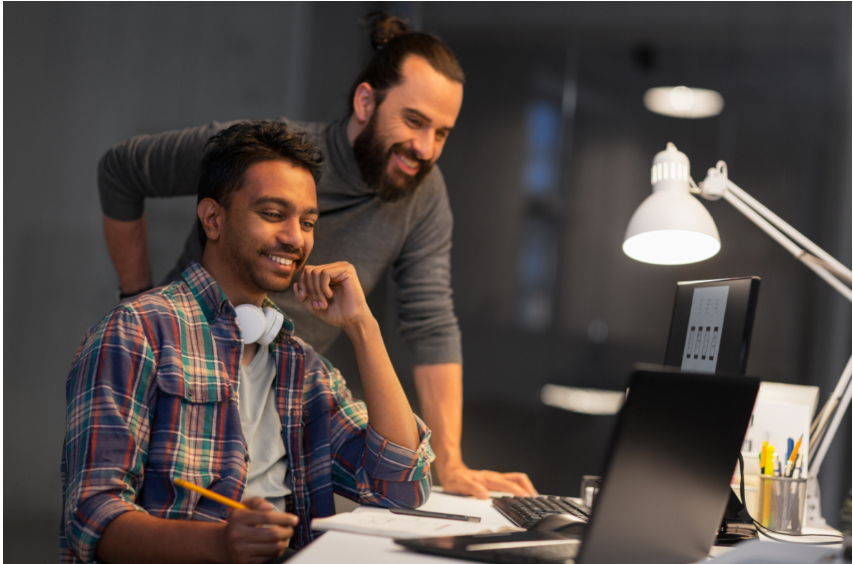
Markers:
point(411, 236)
point(261, 424)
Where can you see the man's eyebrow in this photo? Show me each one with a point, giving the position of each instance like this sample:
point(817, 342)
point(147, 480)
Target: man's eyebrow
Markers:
point(284, 203)
point(419, 114)
point(425, 117)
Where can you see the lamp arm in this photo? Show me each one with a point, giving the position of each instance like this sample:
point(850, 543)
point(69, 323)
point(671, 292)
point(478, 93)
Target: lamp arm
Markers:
point(818, 427)
point(821, 263)
point(731, 196)
point(814, 466)
point(788, 230)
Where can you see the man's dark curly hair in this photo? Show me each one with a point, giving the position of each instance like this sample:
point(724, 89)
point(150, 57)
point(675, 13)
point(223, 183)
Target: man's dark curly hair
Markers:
point(229, 153)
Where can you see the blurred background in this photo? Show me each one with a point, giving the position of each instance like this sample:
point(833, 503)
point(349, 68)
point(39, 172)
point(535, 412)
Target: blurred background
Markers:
point(550, 157)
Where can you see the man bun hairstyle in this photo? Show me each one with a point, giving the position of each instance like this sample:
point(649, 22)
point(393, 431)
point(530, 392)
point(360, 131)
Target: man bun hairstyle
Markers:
point(393, 41)
point(384, 28)
point(229, 153)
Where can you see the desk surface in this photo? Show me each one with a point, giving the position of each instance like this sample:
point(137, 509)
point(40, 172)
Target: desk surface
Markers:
point(350, 548)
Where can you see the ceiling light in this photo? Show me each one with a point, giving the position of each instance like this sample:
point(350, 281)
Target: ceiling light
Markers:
point(683, 102)
point(582, 400)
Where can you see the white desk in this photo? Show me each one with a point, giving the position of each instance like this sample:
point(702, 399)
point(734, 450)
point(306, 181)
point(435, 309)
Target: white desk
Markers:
point(348, 548)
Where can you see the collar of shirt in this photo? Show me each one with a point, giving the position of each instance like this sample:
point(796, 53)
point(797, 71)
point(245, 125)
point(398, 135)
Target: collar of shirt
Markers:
point(214, 302)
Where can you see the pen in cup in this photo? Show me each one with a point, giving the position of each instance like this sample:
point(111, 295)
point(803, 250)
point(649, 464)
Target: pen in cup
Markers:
point(792, 458)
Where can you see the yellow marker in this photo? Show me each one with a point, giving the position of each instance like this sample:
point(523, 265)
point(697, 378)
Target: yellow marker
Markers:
point(768, 491)
point(789, 468)
point(210, 495)
point(762, 458)
point(768, 466)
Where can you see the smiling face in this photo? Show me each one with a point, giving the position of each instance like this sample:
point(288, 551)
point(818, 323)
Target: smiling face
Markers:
point(265, 234)
point(406, 133)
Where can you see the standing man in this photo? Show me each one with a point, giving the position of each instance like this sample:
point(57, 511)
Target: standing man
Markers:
point(383, 203)
point(171, 385)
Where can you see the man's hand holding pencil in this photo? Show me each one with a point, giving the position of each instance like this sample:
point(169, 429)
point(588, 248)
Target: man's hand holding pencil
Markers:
point(255, 532)
point(258, 533)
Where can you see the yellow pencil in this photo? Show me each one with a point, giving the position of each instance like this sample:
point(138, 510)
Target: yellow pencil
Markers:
point(209, 494)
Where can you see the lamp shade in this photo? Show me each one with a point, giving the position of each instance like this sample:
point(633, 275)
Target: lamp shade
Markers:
point(671, 226)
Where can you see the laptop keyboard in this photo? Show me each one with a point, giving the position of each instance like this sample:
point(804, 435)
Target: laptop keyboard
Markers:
point(527, 511)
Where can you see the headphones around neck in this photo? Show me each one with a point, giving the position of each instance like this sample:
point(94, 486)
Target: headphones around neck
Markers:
point(257, 325)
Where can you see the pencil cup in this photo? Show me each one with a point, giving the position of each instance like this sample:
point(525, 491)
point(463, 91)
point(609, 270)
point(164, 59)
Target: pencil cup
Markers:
point(781, 503)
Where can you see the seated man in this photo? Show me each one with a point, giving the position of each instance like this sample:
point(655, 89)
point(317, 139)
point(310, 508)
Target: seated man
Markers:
point(166, 386)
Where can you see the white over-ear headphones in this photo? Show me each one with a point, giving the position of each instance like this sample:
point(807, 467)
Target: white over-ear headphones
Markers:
point(258, 326)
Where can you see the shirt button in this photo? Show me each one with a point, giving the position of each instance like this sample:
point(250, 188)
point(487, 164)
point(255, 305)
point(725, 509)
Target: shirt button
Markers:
point(225, 514)
point(190, 393)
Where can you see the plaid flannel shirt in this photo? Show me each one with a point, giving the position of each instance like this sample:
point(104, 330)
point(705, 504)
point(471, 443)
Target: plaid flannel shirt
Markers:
point(152, 396)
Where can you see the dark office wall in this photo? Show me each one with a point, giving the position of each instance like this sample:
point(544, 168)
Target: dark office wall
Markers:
point(81, 77)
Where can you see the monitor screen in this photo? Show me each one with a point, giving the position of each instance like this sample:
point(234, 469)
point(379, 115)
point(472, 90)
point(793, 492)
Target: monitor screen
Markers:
point(712, 324)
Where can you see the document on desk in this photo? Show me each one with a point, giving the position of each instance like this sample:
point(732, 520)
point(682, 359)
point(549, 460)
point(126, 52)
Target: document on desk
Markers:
point(381, 522)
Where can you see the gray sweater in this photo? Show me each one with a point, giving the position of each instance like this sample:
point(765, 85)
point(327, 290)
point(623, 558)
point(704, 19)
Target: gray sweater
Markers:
point(412, 235)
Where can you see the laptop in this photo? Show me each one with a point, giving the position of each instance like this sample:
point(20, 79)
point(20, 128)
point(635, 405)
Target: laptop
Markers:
point(666, 483)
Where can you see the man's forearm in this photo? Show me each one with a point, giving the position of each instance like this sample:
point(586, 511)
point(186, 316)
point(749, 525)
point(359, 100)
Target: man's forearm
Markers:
point(439, 389)
point(127, 243)
point(388, 408)
point(136, 537)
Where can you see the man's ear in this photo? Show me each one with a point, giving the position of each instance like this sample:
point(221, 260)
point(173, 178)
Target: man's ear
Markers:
point(364, 103)
point(212, 217)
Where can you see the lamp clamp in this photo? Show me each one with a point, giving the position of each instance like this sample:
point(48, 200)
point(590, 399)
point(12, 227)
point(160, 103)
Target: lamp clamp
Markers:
point(715, 184)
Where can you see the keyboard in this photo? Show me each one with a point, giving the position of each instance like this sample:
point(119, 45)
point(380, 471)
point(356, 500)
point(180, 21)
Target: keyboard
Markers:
point(527, 511)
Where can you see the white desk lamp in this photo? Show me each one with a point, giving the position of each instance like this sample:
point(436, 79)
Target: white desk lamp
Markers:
point(672, 227)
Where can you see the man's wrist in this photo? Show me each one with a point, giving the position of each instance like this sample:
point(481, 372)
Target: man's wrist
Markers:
point(218, 545)
point(362, 329)
point(447, 467)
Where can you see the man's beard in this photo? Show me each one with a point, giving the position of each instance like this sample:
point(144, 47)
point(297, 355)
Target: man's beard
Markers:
point(372, 159)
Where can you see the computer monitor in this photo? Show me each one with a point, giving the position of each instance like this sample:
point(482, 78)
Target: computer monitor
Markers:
point(712, 325)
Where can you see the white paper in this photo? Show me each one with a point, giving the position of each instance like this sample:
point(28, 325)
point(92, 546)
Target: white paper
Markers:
point(381, 522)
point(776, 422)
point(704, 329)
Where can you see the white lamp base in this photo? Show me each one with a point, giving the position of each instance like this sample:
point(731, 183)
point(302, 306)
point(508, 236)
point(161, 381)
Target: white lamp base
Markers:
point(814, 517)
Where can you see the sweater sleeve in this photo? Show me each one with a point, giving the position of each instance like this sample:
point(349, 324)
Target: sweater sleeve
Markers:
point(152, 166)
point(425, 316)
